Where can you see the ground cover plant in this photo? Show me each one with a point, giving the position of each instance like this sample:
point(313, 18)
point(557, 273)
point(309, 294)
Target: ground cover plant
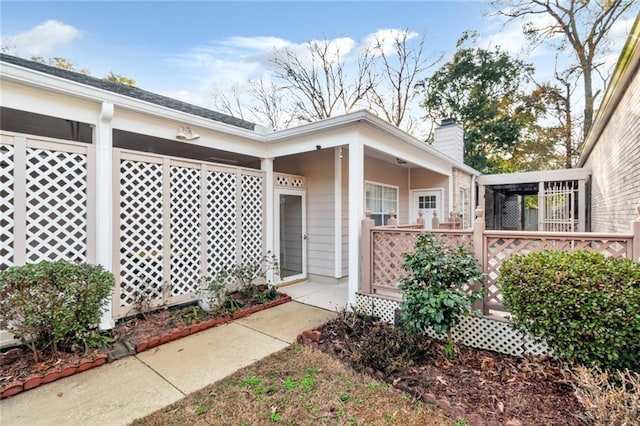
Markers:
point(297, 386)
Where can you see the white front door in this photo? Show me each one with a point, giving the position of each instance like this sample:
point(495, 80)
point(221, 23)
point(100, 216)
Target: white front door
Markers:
point(291, 233)
point(427, 201)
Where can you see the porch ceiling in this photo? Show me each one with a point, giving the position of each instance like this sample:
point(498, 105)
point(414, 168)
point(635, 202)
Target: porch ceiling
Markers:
point(138, 142)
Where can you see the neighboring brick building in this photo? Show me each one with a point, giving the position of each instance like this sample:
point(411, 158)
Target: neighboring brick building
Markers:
point(612, 147)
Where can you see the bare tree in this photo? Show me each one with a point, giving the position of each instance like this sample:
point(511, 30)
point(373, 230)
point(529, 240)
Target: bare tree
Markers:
point(317, 81)
point(400, 66)
point(231, 103)
point(584, 26)
point(270, 104)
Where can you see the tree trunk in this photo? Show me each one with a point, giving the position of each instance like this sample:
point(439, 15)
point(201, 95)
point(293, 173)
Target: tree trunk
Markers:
point(588, 101)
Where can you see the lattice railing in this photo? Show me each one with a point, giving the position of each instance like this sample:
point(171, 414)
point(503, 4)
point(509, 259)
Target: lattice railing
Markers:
point(179, 221)
point(500, 245)
point(384, 247)
point(51, 220)
point(388, 246)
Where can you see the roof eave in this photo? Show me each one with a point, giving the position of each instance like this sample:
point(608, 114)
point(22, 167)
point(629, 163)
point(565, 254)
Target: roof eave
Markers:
point(41, 80)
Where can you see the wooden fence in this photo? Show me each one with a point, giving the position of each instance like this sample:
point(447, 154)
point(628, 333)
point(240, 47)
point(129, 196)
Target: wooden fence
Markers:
point(383, 246)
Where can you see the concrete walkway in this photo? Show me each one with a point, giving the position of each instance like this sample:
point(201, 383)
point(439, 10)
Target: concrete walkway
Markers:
point(117, 393)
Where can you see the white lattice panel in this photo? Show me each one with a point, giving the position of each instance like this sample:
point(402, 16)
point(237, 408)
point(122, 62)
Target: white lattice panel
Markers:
point(290, 181)
point(221, 220)
point(478, 332)
point(56, 200)
point(185, 230)
point(251, 218)
point(7, 197)
point(141, 230)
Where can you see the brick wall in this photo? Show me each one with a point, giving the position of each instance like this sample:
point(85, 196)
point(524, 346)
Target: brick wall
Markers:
point(615, 162)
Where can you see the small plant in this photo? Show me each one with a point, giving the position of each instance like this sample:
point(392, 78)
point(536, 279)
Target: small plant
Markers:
point(439, 288)
point(608, 398)
point(217, 291)
point(584, 305)
point(386, 348)
point(53, 305)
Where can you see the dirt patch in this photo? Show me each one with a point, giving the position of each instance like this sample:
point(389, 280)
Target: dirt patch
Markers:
point(497, 387)
point(298, 386)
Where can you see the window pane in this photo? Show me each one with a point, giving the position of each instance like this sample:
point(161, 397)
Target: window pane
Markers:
point(389, 205)
point(390, 194)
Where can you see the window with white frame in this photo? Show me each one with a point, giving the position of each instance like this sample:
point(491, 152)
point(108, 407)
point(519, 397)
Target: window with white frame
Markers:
point(381, 199)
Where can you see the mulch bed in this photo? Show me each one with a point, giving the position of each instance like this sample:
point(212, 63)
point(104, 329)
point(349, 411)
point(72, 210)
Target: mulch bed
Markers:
point(486, 387)
point(20, 372)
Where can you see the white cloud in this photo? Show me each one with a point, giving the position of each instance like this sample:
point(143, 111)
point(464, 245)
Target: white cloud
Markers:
point(42, 39)
point(387, 38)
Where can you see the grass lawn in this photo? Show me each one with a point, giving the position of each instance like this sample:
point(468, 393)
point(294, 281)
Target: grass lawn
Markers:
point(297, 386)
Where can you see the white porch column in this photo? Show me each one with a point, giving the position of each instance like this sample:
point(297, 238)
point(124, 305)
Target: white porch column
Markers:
point(103, 139)
point(337, 201)
point(356, 214)
point(582, 205)
point(266, 165)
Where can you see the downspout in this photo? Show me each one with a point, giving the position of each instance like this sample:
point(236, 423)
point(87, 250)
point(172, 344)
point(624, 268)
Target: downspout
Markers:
point(473, 205)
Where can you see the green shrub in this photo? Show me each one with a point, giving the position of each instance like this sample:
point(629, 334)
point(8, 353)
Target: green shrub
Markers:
point(53, 305)
point(437, 292)
point(584, 305)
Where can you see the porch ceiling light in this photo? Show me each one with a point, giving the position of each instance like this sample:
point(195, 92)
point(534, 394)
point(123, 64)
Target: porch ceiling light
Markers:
point(186, 134)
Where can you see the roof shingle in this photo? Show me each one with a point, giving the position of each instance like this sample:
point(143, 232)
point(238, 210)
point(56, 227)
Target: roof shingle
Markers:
point(132, 92)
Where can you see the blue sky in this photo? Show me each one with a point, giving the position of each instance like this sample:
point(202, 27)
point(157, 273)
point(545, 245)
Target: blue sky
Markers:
point(184, 49)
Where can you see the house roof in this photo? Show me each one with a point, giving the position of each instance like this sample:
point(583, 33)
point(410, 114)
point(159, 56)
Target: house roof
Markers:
point(627, 67)
point(244, 128)
point(132, 92)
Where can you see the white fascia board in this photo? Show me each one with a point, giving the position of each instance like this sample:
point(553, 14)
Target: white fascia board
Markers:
point(48, 82)
point(358, 117)
point(532, 177)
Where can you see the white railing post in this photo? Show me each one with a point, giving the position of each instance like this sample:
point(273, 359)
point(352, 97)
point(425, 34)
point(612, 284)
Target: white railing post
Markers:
point(479, 250)
point(367, 224)
point(421, 220)
point(635, 230)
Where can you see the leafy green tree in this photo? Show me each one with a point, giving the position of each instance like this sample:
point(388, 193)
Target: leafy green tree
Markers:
point(484, 90)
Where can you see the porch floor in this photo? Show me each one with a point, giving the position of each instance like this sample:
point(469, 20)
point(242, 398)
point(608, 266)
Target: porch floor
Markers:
point(330, 296)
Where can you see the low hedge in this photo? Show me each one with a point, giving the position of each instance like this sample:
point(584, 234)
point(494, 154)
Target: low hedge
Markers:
point(584, 305)
point(53, 305)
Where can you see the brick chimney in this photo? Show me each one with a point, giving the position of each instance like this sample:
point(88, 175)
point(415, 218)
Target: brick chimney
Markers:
point(448, 138)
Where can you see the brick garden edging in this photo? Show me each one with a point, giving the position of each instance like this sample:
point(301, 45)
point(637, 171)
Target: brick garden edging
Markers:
point(20, 385)
point(456, 411)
